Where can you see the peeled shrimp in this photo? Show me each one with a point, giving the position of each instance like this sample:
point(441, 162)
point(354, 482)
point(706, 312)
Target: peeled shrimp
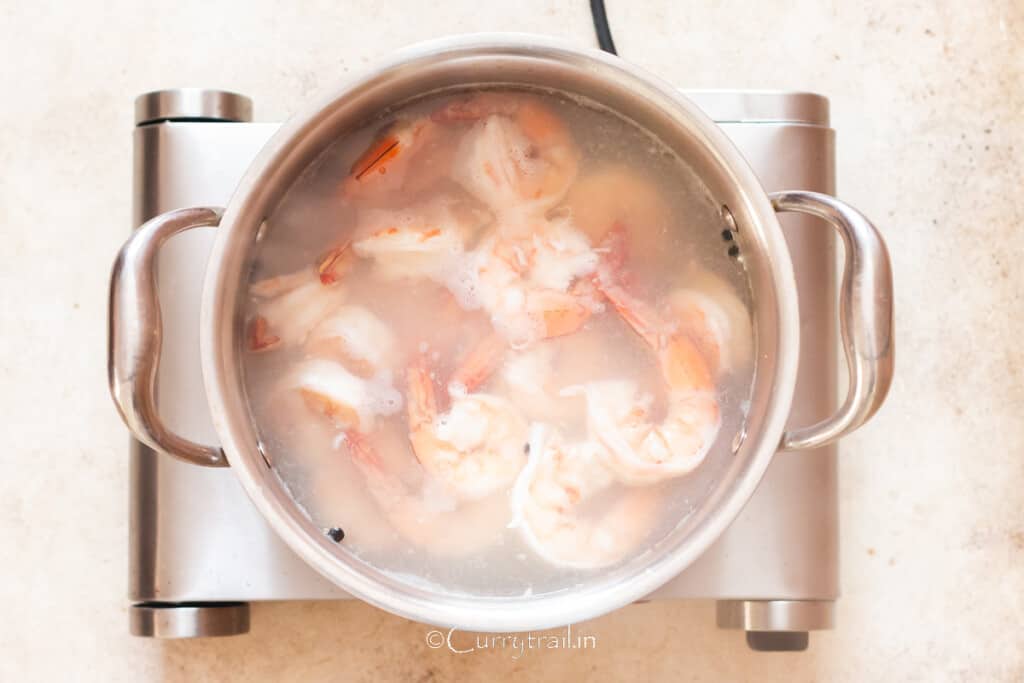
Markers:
point(526, 378)
point(355, 337)
point(290, 306)
point(338, 498)
point(292, 315)
point(332, 489)
point(423, 511)
point(474, 449)
point(423, 241)
point(352, 403)
point(567, 512)
point(644, 449)
point(518, 158)
point(617, 194)
point(730, 344)
point(536, 286)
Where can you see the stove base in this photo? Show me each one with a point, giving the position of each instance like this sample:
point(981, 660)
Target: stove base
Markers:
point(770, 625)
point(776, 625)
point(167, 620)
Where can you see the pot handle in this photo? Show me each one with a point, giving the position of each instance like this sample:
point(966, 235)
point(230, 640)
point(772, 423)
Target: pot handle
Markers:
point(865, 316)
point(135, 335)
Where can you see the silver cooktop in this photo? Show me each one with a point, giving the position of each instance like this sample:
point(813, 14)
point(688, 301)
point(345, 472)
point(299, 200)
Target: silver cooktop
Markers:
point(199, 551)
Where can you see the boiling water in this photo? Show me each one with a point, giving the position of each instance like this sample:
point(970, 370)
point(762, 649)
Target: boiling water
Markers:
point(677, 239)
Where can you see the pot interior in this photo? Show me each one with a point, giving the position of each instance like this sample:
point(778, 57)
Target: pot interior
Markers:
point(702, 503)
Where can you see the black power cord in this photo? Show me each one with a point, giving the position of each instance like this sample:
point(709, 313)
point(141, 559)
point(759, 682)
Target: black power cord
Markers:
point(604, 33)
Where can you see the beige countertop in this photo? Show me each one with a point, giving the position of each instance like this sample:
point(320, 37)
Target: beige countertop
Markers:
point(928, 101)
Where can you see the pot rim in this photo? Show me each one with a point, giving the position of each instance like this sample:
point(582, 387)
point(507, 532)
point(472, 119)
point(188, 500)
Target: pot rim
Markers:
point(218, 351)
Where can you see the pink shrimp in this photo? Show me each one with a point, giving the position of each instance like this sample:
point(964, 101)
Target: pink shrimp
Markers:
point(642, 448)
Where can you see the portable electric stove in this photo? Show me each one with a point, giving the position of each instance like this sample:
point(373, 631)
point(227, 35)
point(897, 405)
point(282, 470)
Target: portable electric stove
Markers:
point(200, 552)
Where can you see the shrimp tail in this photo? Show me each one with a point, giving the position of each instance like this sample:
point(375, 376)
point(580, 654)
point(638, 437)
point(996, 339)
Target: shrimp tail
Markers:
point(609, 280)
point(683, 363)
point(387, 489)
point(389, 152)
point(361, 450)
point(638, 314)
point(379, 154)
point(260, 338)
point(566, 318)
point(479, 364)
point(335, 263)
point(422, 408)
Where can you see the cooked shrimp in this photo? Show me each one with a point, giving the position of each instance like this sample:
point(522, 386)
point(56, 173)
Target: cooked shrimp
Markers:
point(643, 449)
point(382, 169)
point(351, 403)
point(291, 316)
point(423, 241)
point(307, 442)
point(474, 449)
point(287, 318)
point(536, 286)
point(730, 346)
point(355, 337)
point(567, 511)
point(518, 158)
point(541, 378)
point(619, 194)
point(527, 379)
point(438, 327)
point(336, 400)
point(290, 305)
point(337, 495)
point(272, 287)
point(479, 364)
point(425, 512)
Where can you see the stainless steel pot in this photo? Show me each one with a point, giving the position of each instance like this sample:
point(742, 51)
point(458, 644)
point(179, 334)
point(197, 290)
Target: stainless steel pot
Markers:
point(865, 315)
